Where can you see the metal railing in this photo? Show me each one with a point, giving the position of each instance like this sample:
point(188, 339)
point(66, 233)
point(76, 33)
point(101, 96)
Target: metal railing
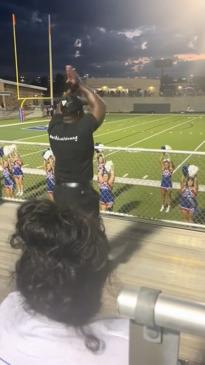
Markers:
point(156, 321)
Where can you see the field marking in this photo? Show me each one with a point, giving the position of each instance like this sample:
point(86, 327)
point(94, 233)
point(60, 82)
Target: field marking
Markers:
point(130, 118)
point(196, 149)
point(37, 135)
point(161, 132)
point(23, 123)
point(32, 153)
point(130, 126)
point(40, 167)
point(145, 177)
point(154, 135)
point(125, 175)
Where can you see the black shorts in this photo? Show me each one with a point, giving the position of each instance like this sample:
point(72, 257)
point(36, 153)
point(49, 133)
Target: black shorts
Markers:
point(81, 197)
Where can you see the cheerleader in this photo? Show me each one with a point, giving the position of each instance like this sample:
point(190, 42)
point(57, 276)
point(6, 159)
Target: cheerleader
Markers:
point(188, 203)
point(167, 168)
point(106, 181)
point(16, 168)
point(8, 181)
point(50, 178)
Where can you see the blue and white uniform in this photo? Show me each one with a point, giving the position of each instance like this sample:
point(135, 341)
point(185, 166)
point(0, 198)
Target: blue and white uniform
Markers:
point(188, 199)
point(106, 195)
point(16, 169)
point(50, 180)
point(8, 182)
point(166, 182)
point(101, 168)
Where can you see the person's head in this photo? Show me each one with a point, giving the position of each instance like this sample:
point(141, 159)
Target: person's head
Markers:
point(64, 263)
point(190, 182)
point(100, 158)
point(71, 107)
point(105, 176)
point(166, 164)
point(5, 164)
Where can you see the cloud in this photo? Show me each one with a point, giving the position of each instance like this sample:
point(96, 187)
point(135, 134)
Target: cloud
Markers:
point(35, 18)
point(101, 29)
point(144, 45)
point(191, 57)
point(130, 34)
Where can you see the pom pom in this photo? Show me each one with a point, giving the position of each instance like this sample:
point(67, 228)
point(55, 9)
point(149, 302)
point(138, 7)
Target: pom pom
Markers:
point(193, 170)
point(109, 166)
point(185, 171)
point(99, 147)
point(1, 152)
point(47, 154)
point(8, 150)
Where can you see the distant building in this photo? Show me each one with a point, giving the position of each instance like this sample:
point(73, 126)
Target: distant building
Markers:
point(8, 93)
point(139, 86)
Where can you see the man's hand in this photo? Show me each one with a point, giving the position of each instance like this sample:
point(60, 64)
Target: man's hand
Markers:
point(73, 79)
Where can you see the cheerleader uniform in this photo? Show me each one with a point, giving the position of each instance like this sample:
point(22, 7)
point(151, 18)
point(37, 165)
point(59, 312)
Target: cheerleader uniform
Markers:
point(166, 182)
point(188, 199)
point(50, 181)
point(16, 169)
point(106, 196)
point(8, 182)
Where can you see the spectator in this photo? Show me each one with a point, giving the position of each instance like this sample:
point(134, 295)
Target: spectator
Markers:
point(71, 139)
point(59, 279)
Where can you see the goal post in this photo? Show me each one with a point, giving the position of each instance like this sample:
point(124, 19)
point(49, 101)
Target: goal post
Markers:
point(23, 99)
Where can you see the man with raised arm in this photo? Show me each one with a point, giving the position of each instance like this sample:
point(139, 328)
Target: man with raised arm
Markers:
point(71, 140)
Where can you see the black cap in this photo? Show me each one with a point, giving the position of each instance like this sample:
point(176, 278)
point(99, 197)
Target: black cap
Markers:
point(71, 105)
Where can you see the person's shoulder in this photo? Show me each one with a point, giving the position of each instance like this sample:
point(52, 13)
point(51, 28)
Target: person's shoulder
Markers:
point(11, 303)
point(89, 121)
point(112, 326)
point(56, 118)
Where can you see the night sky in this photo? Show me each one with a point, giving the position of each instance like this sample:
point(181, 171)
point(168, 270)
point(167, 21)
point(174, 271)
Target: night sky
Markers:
point(104, 37)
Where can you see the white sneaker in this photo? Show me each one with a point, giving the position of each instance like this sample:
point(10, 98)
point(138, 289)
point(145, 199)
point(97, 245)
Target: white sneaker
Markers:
point(18, 193)
point(162, 208)
point(168, 209)
point(21, 193)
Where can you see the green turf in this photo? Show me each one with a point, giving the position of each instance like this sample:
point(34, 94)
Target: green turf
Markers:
point(181, 132)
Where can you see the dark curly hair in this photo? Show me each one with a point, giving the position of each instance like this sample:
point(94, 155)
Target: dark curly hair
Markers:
point(64, 263)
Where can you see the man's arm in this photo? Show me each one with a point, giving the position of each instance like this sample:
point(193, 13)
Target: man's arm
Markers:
point(95, 103)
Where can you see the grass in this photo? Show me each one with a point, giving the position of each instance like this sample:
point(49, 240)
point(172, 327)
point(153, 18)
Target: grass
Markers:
point(181, 132)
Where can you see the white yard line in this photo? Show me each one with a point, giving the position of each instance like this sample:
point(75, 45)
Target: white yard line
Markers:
point(37, 135)
point(155, 134)
point(182, 163)
point(24, 123)
point(130, 126)
point(32, 153)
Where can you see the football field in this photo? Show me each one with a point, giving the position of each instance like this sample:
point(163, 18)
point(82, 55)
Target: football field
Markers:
point(180, 131)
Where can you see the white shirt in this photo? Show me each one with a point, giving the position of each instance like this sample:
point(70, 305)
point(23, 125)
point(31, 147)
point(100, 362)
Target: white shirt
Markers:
point(28, 338)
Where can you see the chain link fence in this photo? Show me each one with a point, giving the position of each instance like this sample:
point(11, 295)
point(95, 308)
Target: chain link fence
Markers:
point(128, 180)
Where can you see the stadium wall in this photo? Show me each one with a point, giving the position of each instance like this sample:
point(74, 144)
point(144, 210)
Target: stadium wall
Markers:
point(125, 104)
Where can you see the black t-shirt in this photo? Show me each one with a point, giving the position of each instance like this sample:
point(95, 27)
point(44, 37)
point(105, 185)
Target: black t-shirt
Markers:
point(73, 147)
